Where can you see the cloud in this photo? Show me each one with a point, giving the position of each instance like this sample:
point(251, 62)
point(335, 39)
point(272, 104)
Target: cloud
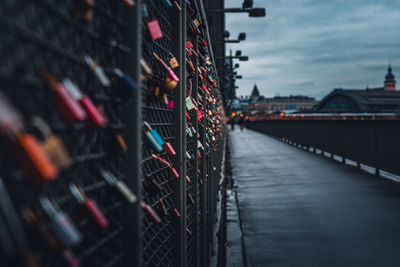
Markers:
point(312, 46)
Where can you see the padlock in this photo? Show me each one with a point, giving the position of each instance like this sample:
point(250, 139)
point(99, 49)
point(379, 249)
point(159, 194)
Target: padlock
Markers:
point(167, 69)
point(169, 85)
point(176, 212)
point(190, 65)
point(52, 145)
point(98, 71)
point(153, 137)
point(10, 120)
point(194, 53)
point(190, 9)
point(177, 6)
point(35, 222)
point(33, 159)
point(168, 148)
point(129, 3)
point(94, 117)
point(126, 86)
point(196, 22)
point(66, 104)
point(174, 172)
point(188, 231)
point(199, 115)
point(120, 185)
point(167, 3)
point(145, 70)
point(188, 52)
point(84, 10)
point(164, 208)
point(148, 210)
point(173, 62)
point(160, 159)
point(191, 198)
point(89, 205)
point(121, 142)
point(164, 99)
point(154, 29)
point(189, 103)
point(170, 104)
point(61, 224)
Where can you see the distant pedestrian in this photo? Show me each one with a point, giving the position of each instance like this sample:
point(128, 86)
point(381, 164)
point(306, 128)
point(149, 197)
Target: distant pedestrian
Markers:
point(241, 123)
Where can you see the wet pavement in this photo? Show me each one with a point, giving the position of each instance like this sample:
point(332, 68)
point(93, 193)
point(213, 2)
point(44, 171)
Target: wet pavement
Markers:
point(301, 209)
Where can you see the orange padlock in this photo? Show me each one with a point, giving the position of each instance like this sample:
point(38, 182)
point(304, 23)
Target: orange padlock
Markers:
point(33, 160)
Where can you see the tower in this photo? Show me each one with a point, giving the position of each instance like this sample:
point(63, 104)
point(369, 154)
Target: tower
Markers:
point(255, 94)
point(390, 82)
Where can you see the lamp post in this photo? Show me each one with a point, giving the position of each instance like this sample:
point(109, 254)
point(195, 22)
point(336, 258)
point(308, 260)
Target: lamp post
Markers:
point(253, 12)
point(241, 37)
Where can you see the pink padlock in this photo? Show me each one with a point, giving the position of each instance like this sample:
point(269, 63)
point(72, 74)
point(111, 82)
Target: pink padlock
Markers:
point(154, 30)
point(170, 104)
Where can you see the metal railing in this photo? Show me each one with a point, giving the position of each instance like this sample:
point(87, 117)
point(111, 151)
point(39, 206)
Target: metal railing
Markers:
point(370, 142)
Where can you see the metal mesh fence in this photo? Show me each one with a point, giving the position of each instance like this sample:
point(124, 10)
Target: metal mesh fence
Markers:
point(44, 35)
point(157, 239)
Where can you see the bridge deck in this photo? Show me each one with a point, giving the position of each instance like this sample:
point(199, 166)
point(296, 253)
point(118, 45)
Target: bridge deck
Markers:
point(302, 209)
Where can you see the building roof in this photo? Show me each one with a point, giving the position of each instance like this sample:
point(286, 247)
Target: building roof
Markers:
point(374, 99)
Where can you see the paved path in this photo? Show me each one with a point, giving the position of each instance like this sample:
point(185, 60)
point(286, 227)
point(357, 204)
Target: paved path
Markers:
point(302, 209)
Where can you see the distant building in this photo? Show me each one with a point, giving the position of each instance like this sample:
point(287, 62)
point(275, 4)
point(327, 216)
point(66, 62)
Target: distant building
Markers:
point(255, 94)
point(280, 103)
point(374, 100)
point(390, 81)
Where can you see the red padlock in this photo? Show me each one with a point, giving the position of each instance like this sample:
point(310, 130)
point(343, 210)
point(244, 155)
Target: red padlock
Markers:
point(90, 206)
point(94, 118)
point(150, 212)
point(174, 172)
point(68, 107)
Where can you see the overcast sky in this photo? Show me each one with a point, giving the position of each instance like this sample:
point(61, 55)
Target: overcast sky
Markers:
point(310, 47)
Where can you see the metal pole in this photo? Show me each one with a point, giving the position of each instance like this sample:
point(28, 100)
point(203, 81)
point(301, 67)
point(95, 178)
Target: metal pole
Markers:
point(179, 118)
point(133, 138)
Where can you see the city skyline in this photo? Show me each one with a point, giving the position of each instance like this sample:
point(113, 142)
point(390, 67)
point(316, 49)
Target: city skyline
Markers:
point(310, 48)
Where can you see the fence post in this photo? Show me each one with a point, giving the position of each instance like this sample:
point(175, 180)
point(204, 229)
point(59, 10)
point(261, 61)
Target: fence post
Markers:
point(133, 121)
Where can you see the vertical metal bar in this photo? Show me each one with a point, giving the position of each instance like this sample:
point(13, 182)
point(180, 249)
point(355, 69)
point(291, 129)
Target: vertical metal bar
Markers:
point(133, 139)
point(179, 24)
point(205, 213)
point(196, 162)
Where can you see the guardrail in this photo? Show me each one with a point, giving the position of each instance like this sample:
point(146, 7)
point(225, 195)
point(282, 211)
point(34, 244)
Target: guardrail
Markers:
point(371, 142)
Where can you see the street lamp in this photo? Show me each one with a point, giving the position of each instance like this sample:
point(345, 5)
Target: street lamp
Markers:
point(241, 58)
point(241, 37)
point(253, 12)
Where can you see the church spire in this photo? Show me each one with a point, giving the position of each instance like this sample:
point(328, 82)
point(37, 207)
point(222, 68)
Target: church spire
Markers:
point(390, 81)
point(255, 93)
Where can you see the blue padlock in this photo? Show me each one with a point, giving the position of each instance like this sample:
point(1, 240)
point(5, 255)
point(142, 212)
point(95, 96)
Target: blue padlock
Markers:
point(153, 137)
point(167, 3)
